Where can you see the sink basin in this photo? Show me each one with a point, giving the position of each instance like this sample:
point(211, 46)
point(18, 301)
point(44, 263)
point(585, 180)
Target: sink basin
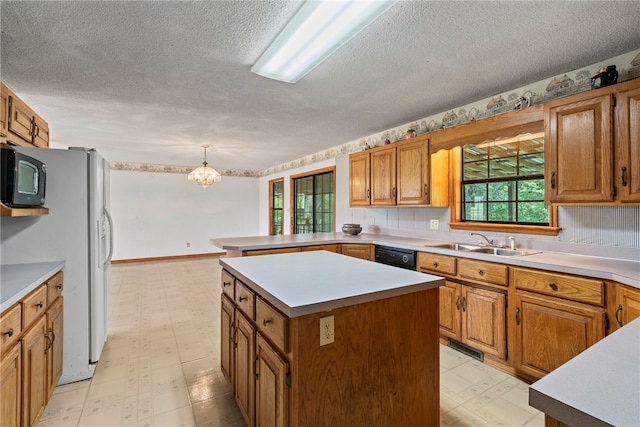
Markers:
point(456, 246)
point(500, 251)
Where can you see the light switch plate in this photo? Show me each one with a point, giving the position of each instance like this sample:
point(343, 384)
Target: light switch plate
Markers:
point(327, 332)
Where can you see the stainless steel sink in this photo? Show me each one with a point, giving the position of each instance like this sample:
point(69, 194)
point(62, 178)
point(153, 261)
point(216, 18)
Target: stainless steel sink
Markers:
point(500, 251)
point(456, 246)
point(481, 249)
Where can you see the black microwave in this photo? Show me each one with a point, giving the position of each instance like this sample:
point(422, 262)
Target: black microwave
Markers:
point(23, 179)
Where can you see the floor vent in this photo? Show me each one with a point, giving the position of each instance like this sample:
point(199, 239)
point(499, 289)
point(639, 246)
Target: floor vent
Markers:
point(472, 352)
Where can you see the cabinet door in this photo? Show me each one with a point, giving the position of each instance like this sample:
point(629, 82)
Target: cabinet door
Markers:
point(20, 121)
point(227, 344)
point(413, 173)
point(244, 365)
point(450, 306)
point(358, 251)
point(272, 397)
point(34, 373)
point(40, 132)
point(578, 151)
point(55, 321)
point(383, 177)
point(10, 387)
point(4, 110)
point(550, 332)
point(483, 320)
point(628, 145)
point(360, 179)
point(629, 307)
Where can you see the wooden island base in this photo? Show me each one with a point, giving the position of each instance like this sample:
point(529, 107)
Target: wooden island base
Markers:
point(382, 369)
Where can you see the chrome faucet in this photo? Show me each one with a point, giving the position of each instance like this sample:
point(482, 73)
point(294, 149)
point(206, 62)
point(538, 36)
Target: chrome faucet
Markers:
point(489, 242)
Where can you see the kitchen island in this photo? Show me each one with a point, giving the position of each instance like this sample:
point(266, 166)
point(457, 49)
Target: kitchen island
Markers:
point(322, 339)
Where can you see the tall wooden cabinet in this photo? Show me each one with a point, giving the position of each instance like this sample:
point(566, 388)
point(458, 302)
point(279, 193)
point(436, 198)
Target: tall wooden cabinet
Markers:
point(591, 146)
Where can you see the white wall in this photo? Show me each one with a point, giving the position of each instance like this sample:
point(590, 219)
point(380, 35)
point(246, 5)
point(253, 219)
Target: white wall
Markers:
point(157, 214)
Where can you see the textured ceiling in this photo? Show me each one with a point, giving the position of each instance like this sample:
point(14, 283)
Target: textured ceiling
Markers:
point(151, 81)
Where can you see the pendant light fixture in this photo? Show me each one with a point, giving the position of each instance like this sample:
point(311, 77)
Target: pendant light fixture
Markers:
point(204, 175)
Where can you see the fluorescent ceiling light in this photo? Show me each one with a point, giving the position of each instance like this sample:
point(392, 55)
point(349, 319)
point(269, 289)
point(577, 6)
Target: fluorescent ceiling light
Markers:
point(315, 32)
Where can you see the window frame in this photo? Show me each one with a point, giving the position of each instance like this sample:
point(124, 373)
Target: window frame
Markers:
point(307, 174)
point(271, 208)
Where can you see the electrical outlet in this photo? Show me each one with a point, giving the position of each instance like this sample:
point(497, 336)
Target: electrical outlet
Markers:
point(372, 221)
point(188, 244)
point(434, 224)
point(326, 330)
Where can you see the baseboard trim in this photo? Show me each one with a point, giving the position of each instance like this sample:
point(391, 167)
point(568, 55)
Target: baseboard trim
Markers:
point(167, 258)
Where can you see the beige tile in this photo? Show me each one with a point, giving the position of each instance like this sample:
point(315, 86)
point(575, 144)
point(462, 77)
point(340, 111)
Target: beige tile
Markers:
point(176, 417)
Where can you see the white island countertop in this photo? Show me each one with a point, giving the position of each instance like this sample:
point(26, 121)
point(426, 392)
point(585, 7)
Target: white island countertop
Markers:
point(598, 387)
point(302, 283)
point(17, 280)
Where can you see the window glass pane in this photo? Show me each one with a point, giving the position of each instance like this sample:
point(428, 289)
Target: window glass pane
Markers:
point(314, 203)
point(476, 170)
point(502, 191)
point(531, 189)
point(498, 150)
point(533, 212)
point(504, 167)
point(473, 153)
point(532, 164)
point(475, 192)
point(502, 211)
point(475, 211)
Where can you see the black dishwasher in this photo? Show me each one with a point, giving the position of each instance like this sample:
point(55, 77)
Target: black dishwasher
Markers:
point(403, 258)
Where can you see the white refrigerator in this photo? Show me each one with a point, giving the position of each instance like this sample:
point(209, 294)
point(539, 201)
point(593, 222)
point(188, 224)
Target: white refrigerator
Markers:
point(79, 231)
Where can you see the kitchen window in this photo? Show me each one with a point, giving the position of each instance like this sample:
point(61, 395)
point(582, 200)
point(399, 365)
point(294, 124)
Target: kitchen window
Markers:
point(276, 200)
point(503, 182)
point(313, 202)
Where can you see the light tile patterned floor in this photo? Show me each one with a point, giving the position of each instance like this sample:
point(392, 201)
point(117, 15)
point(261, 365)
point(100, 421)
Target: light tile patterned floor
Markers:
point(160, 366)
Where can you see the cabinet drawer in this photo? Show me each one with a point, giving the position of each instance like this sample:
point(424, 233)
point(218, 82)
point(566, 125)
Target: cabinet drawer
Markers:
point(10, 326)
point(436, 263)
point(482, 271)
point(574, 288)
point(245, 299)
point(272, 324)
point(54, 287)
point(228, 285)
point(34, 305)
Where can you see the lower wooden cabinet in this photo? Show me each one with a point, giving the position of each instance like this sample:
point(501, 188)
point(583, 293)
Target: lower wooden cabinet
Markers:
point(244, 390)
point(34, 373)
point(358, 251)
point(475, 317)
point(271, 383)
point(11, 387)
point(551, 331)
point(227, 344)
point(31, 346)
point(628, 307)
point(55, 320)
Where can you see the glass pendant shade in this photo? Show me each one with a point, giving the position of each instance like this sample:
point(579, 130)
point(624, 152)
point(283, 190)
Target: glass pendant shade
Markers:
point(204, 175)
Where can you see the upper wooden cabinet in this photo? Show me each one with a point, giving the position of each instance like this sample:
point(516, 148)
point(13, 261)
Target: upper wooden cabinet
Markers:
point(627, 161)
point(399, 174)
point(582, 133)
point(19, 124)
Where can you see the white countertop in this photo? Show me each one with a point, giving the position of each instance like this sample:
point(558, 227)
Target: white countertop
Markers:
point(622, 271)
point(598, 387)
point(302, 283)
point(17, 280)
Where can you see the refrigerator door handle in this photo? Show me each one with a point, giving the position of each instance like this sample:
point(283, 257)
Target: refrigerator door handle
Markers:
point(110, 220)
